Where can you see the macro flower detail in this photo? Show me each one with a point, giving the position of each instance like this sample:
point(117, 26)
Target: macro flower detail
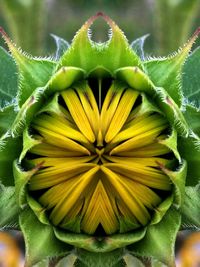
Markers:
point(94, 148)
point(100, 162)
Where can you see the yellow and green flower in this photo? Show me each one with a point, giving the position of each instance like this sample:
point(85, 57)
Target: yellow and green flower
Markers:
point(99, 149)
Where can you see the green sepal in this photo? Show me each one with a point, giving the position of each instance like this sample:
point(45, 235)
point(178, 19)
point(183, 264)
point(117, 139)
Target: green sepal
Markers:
point(160, 211)
point(10, 149)
point(28, 111)
point(178, 178)
point(28, 143)
point(113, 54)
point(9, 210)
point(171, 111)
point(191, 207)
point(38, 209)
point(148, 106)
point(7, 116)
point(61, 46)
point(64, 78)
point(51, 106)
point(189, 149)
point(40, 240)
point(167, 72)
point(8, 74)
point(104, 244)
point(192, 116)
point(138, 46)
point(108, 259)
point(171, 143)
point(21, 179)
point(159, 240)
point(135, 78)
point(191, 78)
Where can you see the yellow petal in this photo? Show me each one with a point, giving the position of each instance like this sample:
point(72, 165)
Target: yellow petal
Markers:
point(151, 150)
point(60, 127)
point(121, 114)
point(151, 162)
point(58, 162)
point(54, 175)
point(134, 205)
point(55, 138)
point(48, 150)
point(91, 109)
point(72, 195)
point(145, 175)
point(100, 211)
point(109, 106)
point(140, 140)
point(138, 127)
point(78, 113)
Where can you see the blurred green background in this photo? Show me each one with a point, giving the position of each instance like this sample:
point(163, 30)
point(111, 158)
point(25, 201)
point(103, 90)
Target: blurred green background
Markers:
point(30, 22)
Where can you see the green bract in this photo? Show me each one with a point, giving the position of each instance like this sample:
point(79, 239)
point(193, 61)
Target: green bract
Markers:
point(99, 149)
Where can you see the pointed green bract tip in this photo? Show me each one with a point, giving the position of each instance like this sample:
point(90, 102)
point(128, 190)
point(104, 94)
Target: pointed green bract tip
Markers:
point(113, 54)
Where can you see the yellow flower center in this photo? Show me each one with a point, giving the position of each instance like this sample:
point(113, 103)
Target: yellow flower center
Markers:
point(100, 160)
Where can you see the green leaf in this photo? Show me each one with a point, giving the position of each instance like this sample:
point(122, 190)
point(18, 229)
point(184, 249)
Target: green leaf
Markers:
point(9, 210)
point(9, 150)
point(189, 149)
point(138, 46)
point(8, 74)
point(192, 116)
point(113, 54)
point(40, 240)
point(7, 116)
point(191, 207)
point(191, 78)
point(61, 46)
point(159, 240)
